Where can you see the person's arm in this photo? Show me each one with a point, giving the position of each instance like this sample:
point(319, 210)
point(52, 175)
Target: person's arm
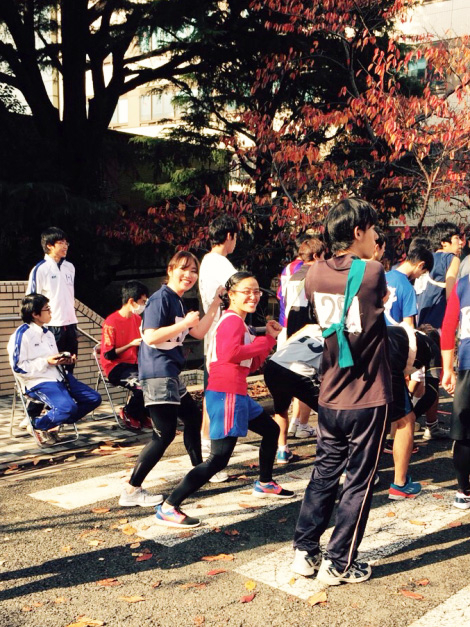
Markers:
point(451, 275)
point(273, 328)
point(162, 334)
point(205, 323)
point(230, 341)
point(410, 320)
point(449, 328)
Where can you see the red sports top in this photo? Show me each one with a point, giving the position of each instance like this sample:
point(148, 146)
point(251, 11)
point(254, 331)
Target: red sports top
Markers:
point(118, 331)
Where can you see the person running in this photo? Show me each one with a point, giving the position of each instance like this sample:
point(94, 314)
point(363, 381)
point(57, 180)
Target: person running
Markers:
point(165, 325)
point(233, 355)
point(458, 315)
point(348, 297)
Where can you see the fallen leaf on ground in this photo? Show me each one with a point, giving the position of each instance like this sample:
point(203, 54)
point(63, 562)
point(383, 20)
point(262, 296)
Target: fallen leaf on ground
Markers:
point(282, 520)
point(102, 485)
point(319, 597)
point(193, 585)
point(438, 496)
point(48, 530)
point(199, 620)
point(26, 608)
point(95, 542)
point(144, 557)
point(157, 584)
point(36, 461)
point(37, 604)
point(228, 557)
point(109, 582)
point(72, 458)
point(231, 532)
point(2, 562)
point(292, 581)
point(248, 598)
point(186, 534)
point(100, 510)
point(411, 595)
point(240, 477)
point(455, 523)
point(134, 599)
point(107, 447)
point(84, 621)
point(60, 600)
point(418, 522)
point(144, 527)
point(123, 521)
point(390, 514)
point(129, 530)
point(248, 506)
point(217, 530)
point(135, 545)
point(250, 585)
point(66, 549)
point(216, 571)
point(422, 582)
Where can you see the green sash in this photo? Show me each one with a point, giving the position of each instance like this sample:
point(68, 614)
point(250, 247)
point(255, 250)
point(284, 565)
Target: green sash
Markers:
point(355, 276)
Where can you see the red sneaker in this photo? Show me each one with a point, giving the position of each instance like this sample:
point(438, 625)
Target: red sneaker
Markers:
point(128, 422)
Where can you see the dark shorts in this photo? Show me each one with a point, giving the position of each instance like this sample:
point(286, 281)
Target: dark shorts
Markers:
point(401, 405)
point(460, 424)
point(163, 391)
point(284, 385)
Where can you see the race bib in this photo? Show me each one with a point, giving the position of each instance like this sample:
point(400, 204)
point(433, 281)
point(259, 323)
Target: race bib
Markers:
point(329, 309)
point(464, 323)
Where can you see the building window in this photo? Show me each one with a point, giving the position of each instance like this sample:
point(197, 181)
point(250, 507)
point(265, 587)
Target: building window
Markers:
point(121, 112)
point(156, 107)
point(417, 69)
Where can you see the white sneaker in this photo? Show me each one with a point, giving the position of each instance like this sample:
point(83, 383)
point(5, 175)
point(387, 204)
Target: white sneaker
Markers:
point(304, 564)
point(305, 431)
point(356, 573)
point(139, 497)
point(46, 438)
point(219, 477)
point(24, 424)
point(435, 432)
point(293, 424)
point(461, 500)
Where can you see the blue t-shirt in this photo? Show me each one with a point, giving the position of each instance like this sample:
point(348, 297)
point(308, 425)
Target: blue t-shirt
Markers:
point(402, 300)
point(432, 301)
point(163, 309)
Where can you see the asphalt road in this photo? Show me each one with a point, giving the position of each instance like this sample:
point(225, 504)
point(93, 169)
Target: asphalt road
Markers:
point(69, 553)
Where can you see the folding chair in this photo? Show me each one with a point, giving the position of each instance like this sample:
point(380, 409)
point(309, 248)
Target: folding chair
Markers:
point(101, 377)
point(25, 399)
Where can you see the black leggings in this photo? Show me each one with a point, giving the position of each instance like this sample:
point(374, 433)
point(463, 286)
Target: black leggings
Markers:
point(164, 420)
point(431, 392)
point(461, 458)
point(221, 451)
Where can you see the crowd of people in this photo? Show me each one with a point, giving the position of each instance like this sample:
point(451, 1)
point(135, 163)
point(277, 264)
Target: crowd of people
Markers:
point(361, 347)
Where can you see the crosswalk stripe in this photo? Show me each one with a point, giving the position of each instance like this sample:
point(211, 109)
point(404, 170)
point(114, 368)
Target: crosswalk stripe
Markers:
point(228, 507)
point(454, 611)
point(391, 527)
point(108, 486)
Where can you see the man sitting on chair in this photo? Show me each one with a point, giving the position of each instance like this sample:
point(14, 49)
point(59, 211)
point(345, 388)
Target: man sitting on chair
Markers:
point(120, 340)
point(36, 362)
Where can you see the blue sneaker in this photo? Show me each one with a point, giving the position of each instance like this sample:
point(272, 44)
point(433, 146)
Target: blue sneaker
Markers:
point(271, 489)
point(174, 518)
point(284, 457)
point(408, 491)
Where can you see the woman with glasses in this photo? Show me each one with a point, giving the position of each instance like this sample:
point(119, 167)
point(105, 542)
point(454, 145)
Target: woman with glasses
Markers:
point(165, 324)
point(234, 353)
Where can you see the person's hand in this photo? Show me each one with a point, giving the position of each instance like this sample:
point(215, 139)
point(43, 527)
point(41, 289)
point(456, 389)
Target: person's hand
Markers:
point(448, 381)
point(60, 360)
point(191, 319)
point(136, 342)
point(273, 328)
point(220, 291)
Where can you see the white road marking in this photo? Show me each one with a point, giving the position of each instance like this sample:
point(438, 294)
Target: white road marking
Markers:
point(229, 507)
point(391, 527)
point(108, 486)
point(454, 611)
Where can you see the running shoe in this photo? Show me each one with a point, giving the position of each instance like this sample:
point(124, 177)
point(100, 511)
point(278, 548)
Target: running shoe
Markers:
point(435, 432)
point(219, 477)
point(305, 564)
point(305, 431)
point(293, 424)
point(408, 491)
point(174, 518)
point(461, 500)
point(46, 438)
point(139, 497)
point(128, 422)
point(356, 573)
point(271, 489)
point(284, 457)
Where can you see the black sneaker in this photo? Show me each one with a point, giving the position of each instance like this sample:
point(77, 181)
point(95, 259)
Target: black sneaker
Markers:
point(356, 573)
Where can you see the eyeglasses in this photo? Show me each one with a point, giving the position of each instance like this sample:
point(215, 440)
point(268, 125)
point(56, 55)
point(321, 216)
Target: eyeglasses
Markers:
point(46, 309)
point(247, 292)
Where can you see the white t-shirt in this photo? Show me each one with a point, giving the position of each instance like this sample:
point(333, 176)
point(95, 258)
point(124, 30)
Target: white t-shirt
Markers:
point(303, 351)
point(215, 271)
